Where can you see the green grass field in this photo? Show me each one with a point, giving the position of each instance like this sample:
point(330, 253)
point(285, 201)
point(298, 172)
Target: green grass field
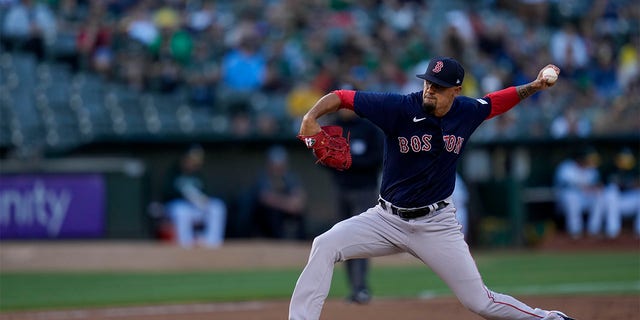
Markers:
point(509, 272)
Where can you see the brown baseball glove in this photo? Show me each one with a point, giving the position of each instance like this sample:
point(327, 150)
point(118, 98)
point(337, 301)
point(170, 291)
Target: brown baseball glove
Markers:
point(330, 147)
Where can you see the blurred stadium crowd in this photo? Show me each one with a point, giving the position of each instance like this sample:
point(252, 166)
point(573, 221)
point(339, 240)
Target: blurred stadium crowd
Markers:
point(77, 71)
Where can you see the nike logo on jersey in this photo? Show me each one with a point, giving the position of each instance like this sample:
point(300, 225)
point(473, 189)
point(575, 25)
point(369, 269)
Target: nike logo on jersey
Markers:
point(417, 119)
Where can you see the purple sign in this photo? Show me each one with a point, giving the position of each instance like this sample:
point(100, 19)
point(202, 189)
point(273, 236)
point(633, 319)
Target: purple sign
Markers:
point(34, 206)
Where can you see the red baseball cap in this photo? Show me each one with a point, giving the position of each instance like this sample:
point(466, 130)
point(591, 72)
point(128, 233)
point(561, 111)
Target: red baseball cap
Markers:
point(444, 71)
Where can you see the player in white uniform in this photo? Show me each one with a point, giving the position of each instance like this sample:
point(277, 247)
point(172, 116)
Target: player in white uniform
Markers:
point(578, 190)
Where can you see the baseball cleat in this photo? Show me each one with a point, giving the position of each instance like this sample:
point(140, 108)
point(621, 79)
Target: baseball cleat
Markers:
point(360, 297)
point(559, 315)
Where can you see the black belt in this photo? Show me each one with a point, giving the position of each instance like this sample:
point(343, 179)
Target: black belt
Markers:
point(413, 213)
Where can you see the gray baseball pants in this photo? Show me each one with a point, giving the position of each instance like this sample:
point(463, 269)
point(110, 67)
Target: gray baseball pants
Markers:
point(435, 239)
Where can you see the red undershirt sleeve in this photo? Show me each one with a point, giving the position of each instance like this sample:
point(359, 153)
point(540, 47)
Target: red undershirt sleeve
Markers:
point(347, 97)
point(502, 101)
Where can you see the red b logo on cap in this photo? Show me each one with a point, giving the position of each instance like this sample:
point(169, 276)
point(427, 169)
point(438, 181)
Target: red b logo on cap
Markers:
point(438, 67)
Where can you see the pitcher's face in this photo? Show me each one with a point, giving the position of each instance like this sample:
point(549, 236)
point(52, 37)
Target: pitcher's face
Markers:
point(436, 99)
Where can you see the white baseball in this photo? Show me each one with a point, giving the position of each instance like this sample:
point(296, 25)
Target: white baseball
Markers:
point(550, 74)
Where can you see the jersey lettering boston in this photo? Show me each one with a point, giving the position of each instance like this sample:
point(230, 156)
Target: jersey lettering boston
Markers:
point(418, 144)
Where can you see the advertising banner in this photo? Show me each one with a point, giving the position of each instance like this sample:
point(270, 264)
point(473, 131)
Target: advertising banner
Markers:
point(34, 206)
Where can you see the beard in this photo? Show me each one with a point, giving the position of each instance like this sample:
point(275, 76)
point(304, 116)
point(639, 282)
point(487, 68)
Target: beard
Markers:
point(429, 107)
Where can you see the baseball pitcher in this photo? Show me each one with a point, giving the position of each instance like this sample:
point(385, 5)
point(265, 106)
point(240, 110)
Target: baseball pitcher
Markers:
point(425, 134)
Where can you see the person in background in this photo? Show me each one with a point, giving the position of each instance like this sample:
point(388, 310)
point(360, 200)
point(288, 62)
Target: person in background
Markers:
point(280, 199)
point(357, 188)
point(622, 193)
point(203, 75)
point(29, 26)
point(243, 70)
point(579, 189)
point(189, 205)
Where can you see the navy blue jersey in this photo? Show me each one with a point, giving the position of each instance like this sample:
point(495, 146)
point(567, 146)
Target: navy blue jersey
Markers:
point(421, 151)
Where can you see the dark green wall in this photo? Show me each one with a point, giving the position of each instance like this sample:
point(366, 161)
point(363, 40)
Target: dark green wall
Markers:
point(232, 167)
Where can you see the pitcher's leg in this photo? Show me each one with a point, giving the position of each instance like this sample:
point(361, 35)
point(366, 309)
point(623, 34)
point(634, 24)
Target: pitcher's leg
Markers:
point(358, 269)
point(442, 247)
point(361, 236)
point(476, 297)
